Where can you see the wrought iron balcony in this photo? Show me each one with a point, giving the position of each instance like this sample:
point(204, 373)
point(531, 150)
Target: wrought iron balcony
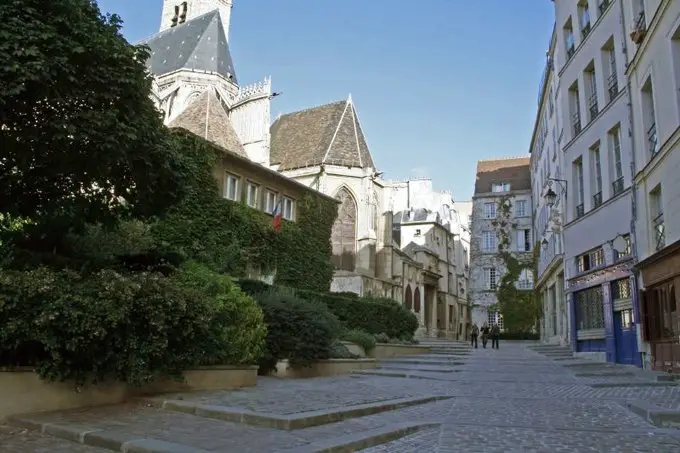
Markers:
point(592, 105)
point(579, 210)
point(613, 85)
point(570, 51)
point(653, 140)
point(576, 122)
point(603, 6)
point(617, 186)
point(585, 29)
point(597, 199)
point(659, 232)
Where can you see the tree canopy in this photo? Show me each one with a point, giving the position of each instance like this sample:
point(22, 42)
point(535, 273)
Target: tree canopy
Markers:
point(80, 139)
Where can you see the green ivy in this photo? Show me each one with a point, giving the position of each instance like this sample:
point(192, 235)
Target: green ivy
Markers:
point(520, 309)
point(229, 237)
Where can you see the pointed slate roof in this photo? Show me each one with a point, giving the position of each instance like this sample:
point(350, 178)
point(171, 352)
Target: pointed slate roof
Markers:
point(327, 134)
point(200, 43)
point(207, 118)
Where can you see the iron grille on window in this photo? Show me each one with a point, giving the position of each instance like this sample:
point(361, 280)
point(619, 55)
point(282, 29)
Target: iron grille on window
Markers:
point(613, 85)
point(653, 139)
point(659, 232)
point(621, 289)
point(579, 210)
point(589, 308)
point(597, 199)
point(576, 122)
point(592, 106)
point(617, 186)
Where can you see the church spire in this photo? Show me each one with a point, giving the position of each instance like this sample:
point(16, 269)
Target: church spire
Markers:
point(177, 12)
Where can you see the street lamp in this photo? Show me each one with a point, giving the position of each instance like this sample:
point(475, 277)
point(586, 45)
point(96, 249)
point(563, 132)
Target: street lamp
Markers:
point(550, 196)
point(544, 242)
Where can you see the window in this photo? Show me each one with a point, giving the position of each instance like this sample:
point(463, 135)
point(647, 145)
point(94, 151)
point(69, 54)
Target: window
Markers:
point(617, 166)
point(231, 187)
point(569, 38)
point(288, 208)
point(520, 208)
point(489, 241)
point(495, 317)
point(500, 187)
point(525, 280)
point(253, 195)
point(589, 308)
point(578, 175)
point(575, 108)
point(343, 233)
point(180, 14)
point(523, 240)
point(675, 56)
point(596, 175)
point(591, 79)
point(621, 289)
point(656, 211)
point(489, 210)
point(584, 16)
point(649, 117)
point(417, 233)
point(270, 202)
point(490, 278)
point(610, 72)
point(626, 251)
point(590, 260)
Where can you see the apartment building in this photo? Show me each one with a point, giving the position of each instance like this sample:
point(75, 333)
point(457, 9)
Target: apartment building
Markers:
point(549, 198)
point(499, 182)
point(590, 61)
point(653, 38)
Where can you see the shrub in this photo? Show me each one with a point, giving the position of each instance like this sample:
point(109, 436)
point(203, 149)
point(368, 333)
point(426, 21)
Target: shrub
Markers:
point(340, 351)
point(297, 330)
point(128, 326)
point(361, 338)
point(519, 336)
point(382, 338)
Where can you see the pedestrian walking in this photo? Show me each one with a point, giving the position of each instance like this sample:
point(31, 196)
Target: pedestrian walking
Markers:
point(473, 335)
point(485, 335)
point(495, 336)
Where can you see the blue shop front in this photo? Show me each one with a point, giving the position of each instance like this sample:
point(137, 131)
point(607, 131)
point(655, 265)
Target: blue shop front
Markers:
point(604, 313)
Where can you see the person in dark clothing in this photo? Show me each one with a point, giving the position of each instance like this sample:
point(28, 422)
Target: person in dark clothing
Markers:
point(473, 335)
point(485, 334)
point(495, 336)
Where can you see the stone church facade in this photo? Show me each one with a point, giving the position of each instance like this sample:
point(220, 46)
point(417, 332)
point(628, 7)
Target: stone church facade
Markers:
point(323, 147)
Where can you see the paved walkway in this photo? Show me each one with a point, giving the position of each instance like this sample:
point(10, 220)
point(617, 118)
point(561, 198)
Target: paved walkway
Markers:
point(514, 399)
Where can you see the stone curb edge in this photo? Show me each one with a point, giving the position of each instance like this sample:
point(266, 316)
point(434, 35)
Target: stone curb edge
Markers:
point(102, 438)
point(294, 421)
point(364, 439)
point(604, 385)
point(655, 415)
point(397, 375)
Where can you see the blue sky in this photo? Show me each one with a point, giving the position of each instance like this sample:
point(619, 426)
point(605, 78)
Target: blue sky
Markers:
point(438, 84)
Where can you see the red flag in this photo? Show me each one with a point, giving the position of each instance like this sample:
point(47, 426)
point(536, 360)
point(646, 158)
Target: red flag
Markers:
point(278, 216)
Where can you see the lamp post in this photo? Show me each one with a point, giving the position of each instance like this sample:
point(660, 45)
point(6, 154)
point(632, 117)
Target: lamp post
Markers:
point(551, 198)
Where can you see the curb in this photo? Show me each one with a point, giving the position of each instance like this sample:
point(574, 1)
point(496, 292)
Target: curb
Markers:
point(655, 415)
point(295, 421)
point(102, 438)
point(604, 385)
point(397, 375)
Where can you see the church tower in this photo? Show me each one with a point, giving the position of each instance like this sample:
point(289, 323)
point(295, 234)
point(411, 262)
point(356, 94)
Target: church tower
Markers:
point(177, 12)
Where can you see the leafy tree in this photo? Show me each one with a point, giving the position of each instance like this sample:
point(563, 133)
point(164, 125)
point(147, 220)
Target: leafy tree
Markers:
point(81, 140)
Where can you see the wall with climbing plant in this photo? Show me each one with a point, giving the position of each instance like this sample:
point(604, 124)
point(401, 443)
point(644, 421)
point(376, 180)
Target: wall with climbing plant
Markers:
point(232, 238)
point(520, 308)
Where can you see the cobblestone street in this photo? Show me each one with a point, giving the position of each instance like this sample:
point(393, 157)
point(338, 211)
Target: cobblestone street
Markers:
point(514, 399)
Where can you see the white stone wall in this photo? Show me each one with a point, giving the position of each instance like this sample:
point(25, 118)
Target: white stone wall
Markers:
point(196, 8)
point(251, 118)
point(658, 61)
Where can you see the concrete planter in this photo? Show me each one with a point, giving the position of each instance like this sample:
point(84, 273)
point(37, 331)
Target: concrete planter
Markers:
point(321, 368)
point(22, 390)
point(387, 350)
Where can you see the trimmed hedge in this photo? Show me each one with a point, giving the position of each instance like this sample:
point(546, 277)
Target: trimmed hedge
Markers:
point(520, 336)
point(361, 338)
point(373, 316)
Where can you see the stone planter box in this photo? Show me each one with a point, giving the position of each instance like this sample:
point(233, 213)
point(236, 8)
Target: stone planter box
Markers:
point(321, 368)
point(22, 391)
point(387, 350)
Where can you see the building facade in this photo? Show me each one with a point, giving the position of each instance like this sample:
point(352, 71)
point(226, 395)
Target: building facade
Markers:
point(549, 198)
point(501, 211)
point(653, 38)
point(590, 61)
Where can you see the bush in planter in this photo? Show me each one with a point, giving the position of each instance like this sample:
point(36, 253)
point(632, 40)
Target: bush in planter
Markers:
point(297, 330)
point(520, 336)
point(361, 338)
point(130, 327)
point(340, 351)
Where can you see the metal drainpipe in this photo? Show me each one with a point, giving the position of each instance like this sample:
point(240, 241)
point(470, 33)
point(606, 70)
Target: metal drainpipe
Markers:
point(633, 185)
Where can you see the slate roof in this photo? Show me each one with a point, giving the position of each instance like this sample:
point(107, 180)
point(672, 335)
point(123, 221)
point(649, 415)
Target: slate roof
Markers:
point(327, 134)
point(207, 118)
point(416, 215)
point(200, 43)
point(513, 170)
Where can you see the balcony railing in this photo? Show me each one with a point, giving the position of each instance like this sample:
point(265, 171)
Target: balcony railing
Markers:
point(617, 186)
point(579, 210)
point(570, 51)
point(603, 6)
point(613, 85)
point(652, 139)
point(597, 199)
point(592, 105)
point(576, 122)
point(659, 232)
point(585, 29)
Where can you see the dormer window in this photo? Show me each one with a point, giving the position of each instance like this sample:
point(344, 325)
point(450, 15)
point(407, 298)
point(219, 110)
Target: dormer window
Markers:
point(500, 187)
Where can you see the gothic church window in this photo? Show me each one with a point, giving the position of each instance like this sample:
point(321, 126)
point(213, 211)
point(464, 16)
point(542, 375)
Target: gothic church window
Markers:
point(343, 235)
